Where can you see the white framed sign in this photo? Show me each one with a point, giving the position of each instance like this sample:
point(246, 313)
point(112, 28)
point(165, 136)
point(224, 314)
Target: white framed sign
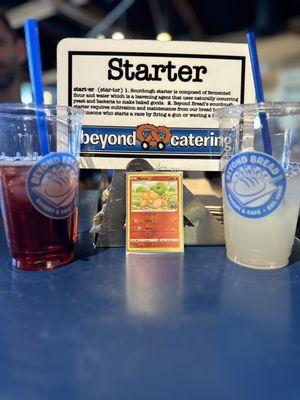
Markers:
point(150, 99)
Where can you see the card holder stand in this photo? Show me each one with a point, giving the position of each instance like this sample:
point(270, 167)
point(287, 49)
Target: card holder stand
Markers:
point(200, 226)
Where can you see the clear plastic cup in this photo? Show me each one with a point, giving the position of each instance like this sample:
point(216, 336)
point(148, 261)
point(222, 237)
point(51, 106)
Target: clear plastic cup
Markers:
point(39, 194)
point(261, 192)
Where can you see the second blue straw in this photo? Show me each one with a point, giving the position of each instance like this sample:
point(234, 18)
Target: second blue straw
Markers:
point(259, 91)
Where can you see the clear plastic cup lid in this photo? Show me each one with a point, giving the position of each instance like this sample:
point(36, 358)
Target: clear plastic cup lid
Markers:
point(273, 109)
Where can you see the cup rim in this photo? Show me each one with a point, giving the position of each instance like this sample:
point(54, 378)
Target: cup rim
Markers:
point(280, 108)
point(11, 109)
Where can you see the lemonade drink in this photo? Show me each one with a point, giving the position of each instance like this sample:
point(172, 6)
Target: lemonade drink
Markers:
point(261, 187)
point(264, 242)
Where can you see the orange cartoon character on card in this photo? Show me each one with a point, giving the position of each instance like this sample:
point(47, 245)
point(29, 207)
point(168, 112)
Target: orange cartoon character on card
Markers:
point(154, 212)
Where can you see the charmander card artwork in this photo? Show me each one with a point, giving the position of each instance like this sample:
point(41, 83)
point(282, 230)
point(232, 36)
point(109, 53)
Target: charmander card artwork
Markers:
point(154, 212)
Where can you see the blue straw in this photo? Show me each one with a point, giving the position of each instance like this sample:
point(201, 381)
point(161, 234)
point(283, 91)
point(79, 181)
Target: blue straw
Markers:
point(35, 70)
point(259, 90)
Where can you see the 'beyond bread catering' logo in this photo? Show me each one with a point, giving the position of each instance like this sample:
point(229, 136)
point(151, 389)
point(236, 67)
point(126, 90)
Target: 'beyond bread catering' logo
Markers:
point(149, 137)
point(52, 185)
point(255, 184)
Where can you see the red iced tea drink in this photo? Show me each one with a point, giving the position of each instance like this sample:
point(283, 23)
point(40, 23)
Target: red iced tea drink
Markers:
point(35, 240)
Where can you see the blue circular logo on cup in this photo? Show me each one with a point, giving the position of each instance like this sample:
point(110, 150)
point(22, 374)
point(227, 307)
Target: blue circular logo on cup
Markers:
point(52, 185)
point(255, 184)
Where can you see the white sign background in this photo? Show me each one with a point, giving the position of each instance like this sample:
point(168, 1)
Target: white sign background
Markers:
point(84, 63)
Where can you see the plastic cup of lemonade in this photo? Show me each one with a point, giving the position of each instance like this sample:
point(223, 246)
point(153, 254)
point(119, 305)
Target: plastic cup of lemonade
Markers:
point(261, 191)
point(39, 194)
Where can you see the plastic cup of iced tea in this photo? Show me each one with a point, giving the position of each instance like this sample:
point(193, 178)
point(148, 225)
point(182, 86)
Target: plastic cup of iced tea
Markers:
point(39, 192)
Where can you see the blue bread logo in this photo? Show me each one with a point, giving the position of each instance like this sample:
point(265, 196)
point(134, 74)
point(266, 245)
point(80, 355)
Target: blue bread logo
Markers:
point(255, 184)
point(52, 185)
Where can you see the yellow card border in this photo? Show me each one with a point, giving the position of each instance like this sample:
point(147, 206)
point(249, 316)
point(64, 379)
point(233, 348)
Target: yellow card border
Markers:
point(179, 248)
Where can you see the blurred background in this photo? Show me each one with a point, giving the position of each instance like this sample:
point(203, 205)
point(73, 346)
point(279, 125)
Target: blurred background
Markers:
point(276, 23)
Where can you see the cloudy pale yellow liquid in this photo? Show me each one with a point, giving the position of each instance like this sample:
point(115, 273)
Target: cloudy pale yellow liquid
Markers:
point(263, 242)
